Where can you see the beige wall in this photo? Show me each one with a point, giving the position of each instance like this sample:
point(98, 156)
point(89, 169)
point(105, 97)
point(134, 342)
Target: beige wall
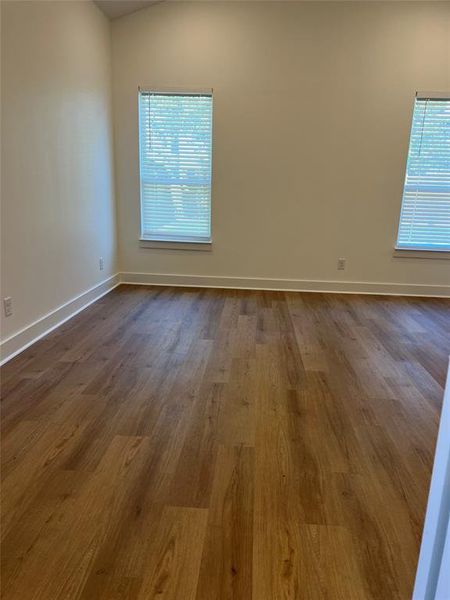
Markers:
point(311, 123)
point(312, 110)
point(58, 213)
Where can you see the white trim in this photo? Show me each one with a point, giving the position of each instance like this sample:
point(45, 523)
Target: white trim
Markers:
point(178, 239)
point(176, 91)
point(205, 246)
point(421, 253)
point(294, 285)
point(22, 339)
point(430, 570)
point(18, 342)
point(443, 582)
point(433, 95)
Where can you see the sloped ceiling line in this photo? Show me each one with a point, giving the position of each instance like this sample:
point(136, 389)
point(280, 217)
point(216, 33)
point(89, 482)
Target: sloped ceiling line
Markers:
point(118, 8)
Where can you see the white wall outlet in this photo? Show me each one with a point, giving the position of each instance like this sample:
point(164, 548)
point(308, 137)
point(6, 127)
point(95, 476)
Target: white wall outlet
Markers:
point(341, 264)
point(101, 263)
point(7, 306)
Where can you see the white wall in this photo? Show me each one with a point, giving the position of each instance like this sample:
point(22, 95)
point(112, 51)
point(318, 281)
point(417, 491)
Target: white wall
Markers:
point(58, 212)
point(312, 111)
point(311, 123)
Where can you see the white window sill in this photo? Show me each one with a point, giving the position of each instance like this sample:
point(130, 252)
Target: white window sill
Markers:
point(176, 245)
point(411, 253)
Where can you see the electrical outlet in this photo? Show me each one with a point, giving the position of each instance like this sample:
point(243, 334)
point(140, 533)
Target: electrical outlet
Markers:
point(101, 263)
point(7, 306)
point(341, 264)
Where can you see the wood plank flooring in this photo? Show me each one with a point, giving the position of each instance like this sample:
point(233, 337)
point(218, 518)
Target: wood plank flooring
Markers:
point(192, 444)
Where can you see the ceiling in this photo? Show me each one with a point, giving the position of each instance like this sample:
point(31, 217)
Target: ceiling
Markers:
point(118, 8)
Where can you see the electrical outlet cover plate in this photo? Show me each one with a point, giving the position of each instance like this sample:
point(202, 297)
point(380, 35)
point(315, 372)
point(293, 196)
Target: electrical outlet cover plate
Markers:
point(7, 306)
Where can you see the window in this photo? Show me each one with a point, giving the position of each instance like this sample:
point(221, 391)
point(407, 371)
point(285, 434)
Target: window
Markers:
point(175, 165)
point(425, 215)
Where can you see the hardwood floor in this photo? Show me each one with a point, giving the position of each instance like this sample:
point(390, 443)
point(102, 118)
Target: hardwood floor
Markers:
point(214, 444)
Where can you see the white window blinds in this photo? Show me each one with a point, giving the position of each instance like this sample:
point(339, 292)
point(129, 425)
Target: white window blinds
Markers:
point(175, 166)
point(425, 214)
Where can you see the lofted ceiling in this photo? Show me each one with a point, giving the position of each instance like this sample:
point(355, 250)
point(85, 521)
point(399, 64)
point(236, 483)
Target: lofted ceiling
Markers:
point(118, 8)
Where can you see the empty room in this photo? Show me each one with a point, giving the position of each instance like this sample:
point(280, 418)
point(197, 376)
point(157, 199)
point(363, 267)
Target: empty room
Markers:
point(225, 300)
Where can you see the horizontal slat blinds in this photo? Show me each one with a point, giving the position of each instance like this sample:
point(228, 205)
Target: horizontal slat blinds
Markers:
point(175, 166)
point(425, 215)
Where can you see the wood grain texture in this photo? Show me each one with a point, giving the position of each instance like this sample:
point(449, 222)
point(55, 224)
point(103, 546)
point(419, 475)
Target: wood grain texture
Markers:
point(219, 444)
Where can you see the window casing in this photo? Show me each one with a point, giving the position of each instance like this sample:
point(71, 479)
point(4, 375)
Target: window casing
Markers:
point(175, 152)
point(425, 214)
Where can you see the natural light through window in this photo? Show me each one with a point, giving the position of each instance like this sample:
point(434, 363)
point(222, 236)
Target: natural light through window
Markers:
point(425, 214)
point(175, 165)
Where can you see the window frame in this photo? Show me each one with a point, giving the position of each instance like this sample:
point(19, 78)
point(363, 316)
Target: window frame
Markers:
point(419, 251)
point(174, 242)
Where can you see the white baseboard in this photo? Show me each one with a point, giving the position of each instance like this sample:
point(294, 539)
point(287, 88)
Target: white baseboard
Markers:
point(294, 285)
point(27, 336)
point(22, 339)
